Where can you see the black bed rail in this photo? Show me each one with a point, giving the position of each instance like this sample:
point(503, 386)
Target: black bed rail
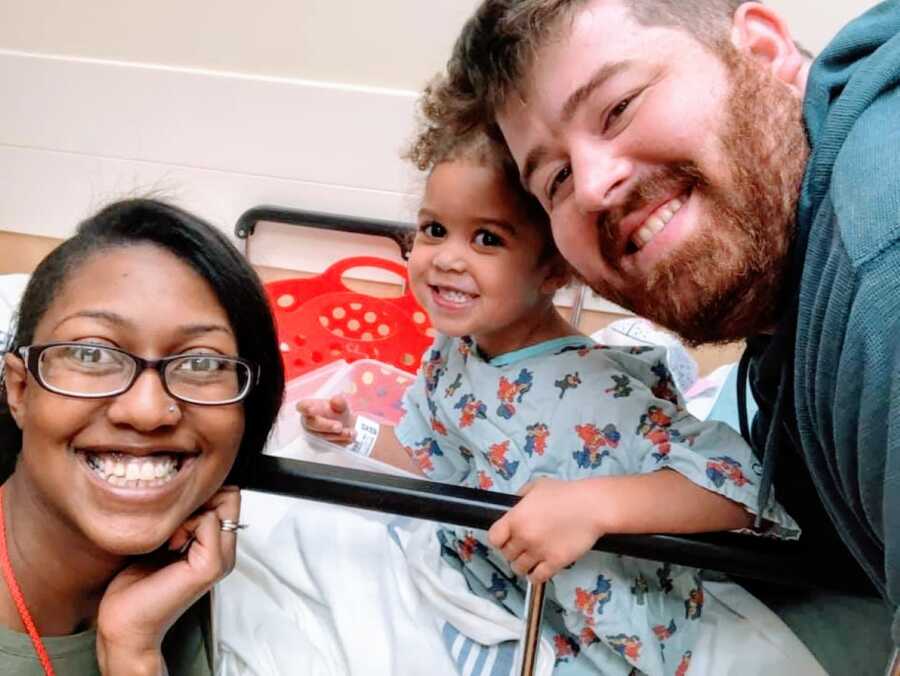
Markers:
point(746, 556)
point(401, 233)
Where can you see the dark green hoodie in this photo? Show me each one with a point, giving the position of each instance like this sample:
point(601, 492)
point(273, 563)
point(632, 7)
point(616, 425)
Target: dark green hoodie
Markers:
point(828, 382)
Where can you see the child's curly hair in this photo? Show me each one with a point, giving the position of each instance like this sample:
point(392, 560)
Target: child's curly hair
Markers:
point(439, 140)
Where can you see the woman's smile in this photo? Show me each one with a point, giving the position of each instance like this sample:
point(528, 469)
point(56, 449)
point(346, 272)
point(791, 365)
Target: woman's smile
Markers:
point(130, 475)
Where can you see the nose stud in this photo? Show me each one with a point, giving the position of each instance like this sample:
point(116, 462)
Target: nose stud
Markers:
point(173, 408)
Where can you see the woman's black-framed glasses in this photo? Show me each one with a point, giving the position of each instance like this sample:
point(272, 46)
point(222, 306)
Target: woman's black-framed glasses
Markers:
point(92, 371)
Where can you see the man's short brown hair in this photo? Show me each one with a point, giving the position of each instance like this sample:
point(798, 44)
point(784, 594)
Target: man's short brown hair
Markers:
point(496, 45)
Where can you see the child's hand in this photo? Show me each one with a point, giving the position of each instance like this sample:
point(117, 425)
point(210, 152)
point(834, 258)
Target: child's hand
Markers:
point(548, 529)
point(329, 419)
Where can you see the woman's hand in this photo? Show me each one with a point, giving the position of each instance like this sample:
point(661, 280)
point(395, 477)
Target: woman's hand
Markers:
point(329, 419)
point(552, 526)
point(146, 598)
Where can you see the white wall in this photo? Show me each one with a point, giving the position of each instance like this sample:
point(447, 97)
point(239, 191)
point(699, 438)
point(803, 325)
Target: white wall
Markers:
point(383, 43)
point(228, 104)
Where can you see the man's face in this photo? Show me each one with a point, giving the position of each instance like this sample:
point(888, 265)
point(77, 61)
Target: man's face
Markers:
point(670, 173)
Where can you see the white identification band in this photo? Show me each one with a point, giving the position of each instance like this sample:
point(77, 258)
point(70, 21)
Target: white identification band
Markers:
point(366, 435)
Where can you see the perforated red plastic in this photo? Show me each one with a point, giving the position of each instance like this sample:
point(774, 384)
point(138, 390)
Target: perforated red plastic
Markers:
point(320, 320)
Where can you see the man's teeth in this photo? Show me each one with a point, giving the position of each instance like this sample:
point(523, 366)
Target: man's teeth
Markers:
point(656, 223)
point(119, 469)
point(453, 295)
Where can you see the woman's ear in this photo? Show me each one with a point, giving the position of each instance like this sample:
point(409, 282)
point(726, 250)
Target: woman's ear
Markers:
point(15, 380)
point(762, 33)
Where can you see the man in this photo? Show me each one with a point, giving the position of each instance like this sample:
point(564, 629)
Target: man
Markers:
point(700, 171)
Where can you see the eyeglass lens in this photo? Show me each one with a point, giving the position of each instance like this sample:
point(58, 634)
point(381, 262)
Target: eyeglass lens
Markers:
point(96, 371)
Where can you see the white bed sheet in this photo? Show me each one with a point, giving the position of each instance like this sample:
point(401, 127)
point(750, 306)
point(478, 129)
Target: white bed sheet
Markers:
point(325, 590)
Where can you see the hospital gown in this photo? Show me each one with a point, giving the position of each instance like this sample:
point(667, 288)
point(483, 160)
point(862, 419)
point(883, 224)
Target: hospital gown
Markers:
point(571, 409)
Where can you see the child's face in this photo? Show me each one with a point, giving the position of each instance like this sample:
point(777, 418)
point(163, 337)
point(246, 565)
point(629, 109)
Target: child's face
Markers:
point(474, 266)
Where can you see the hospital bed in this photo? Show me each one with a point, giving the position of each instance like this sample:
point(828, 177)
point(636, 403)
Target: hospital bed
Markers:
point(741, 556)
point(738, 555)
point(347, 490)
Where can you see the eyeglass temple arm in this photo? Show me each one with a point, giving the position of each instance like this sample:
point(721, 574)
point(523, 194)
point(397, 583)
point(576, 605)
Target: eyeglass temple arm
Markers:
point(761, 558)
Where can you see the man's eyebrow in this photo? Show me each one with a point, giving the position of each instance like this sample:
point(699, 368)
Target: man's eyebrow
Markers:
point(532, 161)
point(600, 77)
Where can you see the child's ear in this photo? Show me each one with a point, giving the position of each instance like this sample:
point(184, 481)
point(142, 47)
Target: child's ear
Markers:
point(15, 380)
point(557, 276)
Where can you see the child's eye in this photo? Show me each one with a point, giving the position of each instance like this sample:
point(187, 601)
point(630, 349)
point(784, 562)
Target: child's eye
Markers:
point(558, 179)
point(487, 238)
point(433, 229)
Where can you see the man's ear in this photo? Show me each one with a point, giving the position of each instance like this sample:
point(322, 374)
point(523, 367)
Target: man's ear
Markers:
point(762, 33)
point(15, 378)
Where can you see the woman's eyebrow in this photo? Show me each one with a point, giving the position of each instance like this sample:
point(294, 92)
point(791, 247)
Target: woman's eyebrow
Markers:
point(118, 320)
point(199, 329)
point(103, 315)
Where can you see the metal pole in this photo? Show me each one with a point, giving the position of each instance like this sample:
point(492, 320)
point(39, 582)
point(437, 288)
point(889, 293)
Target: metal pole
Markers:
point(581, 294)
point(526, 659)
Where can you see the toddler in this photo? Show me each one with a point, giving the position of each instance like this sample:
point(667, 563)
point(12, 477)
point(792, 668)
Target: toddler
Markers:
point(597, 440)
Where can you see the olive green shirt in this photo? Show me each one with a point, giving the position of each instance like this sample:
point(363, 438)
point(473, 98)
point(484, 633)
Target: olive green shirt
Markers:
point(187, 648)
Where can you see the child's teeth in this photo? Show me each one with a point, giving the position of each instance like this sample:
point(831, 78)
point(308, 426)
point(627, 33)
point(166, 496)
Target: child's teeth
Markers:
point(455, 296)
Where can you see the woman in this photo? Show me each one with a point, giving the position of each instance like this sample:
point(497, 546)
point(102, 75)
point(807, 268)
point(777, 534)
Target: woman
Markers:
point(143, 375)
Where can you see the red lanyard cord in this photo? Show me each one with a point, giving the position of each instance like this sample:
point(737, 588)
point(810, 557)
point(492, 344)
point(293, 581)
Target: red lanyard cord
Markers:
point(19, 599)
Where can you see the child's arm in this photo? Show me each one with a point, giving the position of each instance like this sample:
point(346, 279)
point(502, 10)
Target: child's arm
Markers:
point(333, 421)
point(556, 521)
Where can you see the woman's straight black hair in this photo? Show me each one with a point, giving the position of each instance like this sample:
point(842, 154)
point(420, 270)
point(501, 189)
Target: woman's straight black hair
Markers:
point(233, 281)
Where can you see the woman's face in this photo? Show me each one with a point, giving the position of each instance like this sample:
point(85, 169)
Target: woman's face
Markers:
point(144, 300)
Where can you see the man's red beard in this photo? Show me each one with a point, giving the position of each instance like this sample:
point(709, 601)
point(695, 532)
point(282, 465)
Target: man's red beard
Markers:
point(725, 281)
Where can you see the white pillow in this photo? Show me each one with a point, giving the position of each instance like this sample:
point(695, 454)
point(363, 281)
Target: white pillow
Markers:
point(11, 289)
point(639, 331)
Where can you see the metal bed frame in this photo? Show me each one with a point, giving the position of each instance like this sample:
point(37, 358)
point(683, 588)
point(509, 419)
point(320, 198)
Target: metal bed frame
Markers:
point(743, 556)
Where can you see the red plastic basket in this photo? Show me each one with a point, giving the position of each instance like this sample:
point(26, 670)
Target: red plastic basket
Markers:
point(320, 320)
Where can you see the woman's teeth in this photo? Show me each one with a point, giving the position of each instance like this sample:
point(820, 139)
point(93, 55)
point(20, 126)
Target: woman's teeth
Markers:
point(656, 223)
point(131, 471)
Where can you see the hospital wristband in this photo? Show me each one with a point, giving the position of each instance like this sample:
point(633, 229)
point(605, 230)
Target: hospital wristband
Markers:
point(366, 434)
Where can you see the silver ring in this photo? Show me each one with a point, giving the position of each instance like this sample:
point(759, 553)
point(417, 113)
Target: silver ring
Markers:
point(230, 526)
